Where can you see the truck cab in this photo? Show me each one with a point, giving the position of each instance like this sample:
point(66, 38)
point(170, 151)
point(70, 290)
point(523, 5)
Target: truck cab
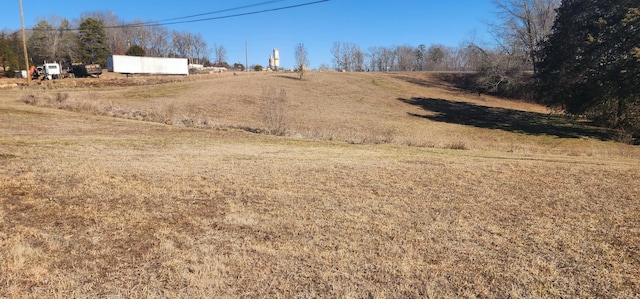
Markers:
point(48, 71)
point(51, 70)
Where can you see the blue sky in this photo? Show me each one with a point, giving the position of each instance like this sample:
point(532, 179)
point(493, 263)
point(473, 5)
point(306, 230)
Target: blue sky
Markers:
point(317, 26)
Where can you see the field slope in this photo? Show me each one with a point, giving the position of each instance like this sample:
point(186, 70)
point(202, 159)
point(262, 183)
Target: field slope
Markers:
point(379, 185)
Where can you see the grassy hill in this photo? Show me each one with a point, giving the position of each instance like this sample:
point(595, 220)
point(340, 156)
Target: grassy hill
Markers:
point(375, 185)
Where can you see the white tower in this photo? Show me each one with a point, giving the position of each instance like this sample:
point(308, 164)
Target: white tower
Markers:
point(276, 58)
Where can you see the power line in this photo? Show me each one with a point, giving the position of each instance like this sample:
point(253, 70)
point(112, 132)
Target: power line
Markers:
point(170, 21)
point(221, 17)
point(209, 13)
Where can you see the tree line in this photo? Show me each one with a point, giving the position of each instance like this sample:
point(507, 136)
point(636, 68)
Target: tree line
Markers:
point(406, 58)
point(522, 27)
point(97, 35)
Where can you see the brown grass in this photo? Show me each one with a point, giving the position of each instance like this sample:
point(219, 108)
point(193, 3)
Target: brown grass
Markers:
point(360, 199)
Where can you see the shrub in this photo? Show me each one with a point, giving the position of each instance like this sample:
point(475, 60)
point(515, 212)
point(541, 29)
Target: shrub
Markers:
point(457, 145)
point(273, 111)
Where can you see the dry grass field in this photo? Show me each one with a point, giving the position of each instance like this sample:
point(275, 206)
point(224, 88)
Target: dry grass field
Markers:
point(368, 186)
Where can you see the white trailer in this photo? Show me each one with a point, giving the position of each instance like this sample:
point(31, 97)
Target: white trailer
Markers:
point(147, 65)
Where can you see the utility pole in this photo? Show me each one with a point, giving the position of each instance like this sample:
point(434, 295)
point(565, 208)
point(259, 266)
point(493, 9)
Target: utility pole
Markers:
point(246, 56)
point(24, 44)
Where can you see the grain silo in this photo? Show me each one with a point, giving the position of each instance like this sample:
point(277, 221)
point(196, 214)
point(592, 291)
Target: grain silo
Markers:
point(276, 58)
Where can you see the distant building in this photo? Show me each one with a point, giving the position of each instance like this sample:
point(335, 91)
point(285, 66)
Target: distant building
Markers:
point(274, 60)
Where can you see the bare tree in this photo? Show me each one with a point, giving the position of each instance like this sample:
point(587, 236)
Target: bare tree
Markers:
point(336, 52)
point(525, 25)
point(158, 44)
point(136, 34)
point(68, 42)
point(183, 44)
point(347, 56)
point(405, 58)
point(374, 59)
point(199, 48)
point(435, 60)
point(358, 59)
point(302, 59)
point(387, 59)
point(220, 53)
point(453, 59)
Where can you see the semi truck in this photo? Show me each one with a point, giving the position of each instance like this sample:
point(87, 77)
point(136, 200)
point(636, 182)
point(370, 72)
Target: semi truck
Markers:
point(46, 71)
point(53, 70)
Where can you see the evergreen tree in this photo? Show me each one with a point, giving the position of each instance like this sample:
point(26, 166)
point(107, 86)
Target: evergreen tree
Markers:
point(93, 41)
point(135, 50)
point(8, 58)
point(591, 63)
point(15, 45)
point(40, 44)
point(52, 41)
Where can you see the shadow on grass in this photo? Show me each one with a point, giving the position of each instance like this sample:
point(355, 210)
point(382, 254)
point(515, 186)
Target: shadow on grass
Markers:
point(464, 81)
point(293, 77)
point(439, 83)
point(506, 119)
